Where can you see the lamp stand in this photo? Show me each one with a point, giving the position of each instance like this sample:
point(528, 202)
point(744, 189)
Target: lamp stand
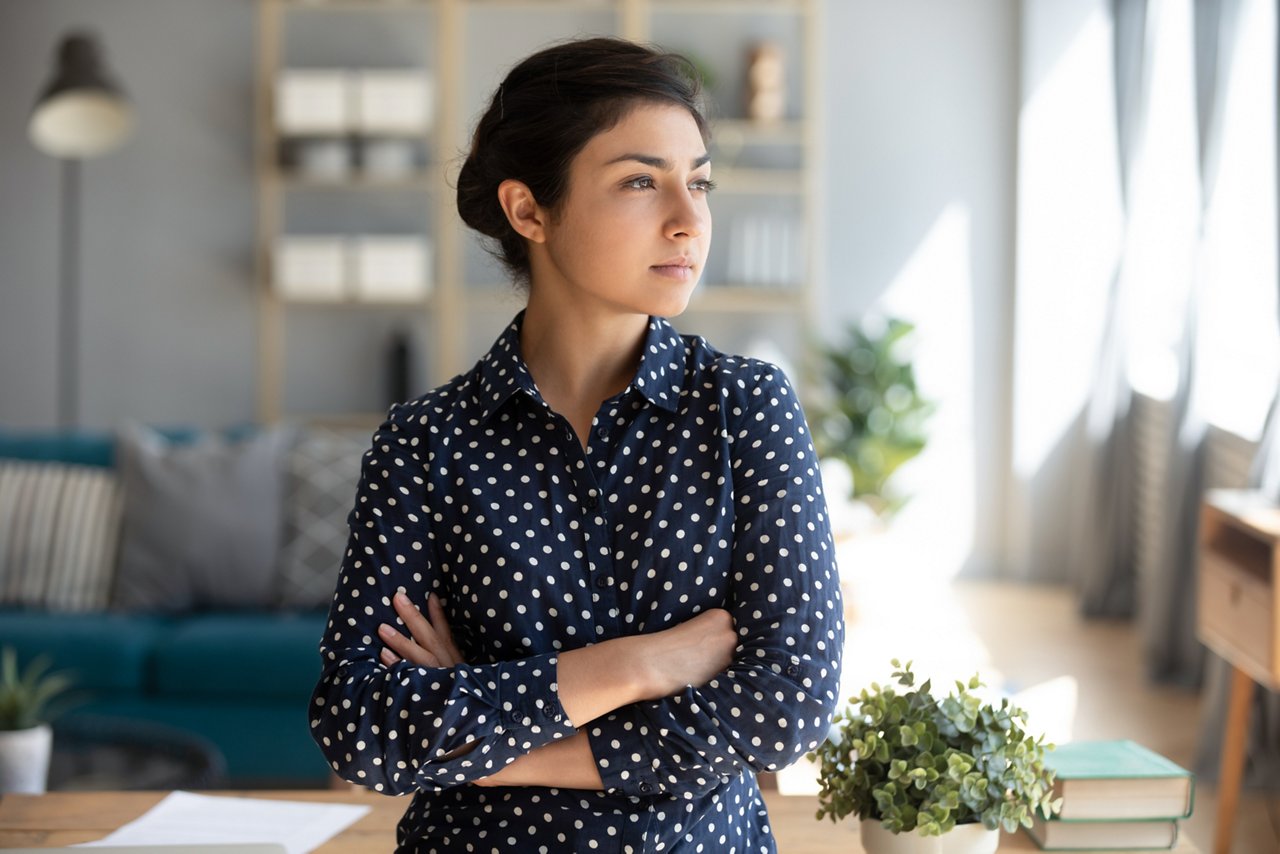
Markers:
point(69, 296)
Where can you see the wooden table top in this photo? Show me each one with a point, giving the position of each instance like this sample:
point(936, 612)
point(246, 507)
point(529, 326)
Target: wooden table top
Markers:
point(66, 818)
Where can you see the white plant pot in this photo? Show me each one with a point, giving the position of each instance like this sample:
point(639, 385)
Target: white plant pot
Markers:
point(961, 839)
point(24, 759)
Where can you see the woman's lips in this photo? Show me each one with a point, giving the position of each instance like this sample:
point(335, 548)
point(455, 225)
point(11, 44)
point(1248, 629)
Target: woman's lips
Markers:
point(678, 272)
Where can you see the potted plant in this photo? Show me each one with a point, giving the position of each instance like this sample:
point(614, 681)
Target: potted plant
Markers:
point(868, 415)
point(26, 737)
point(930, 774)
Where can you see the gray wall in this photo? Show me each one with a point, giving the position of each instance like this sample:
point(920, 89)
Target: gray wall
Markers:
point(168, 329)
point(921, 118)
point(921, 135)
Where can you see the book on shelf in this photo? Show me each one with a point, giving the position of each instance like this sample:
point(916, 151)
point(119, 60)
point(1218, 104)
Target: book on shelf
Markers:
point(1055, 835)
point(1101, 780)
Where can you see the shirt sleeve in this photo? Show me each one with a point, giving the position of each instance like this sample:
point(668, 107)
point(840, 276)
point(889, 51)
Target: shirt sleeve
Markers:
point(388, 728)
point(775, 701)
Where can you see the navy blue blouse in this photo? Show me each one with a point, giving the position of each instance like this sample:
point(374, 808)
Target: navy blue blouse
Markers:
point(699, 488)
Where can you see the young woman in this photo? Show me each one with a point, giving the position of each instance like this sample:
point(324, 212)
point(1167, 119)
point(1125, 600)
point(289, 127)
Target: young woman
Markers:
point(590, 588)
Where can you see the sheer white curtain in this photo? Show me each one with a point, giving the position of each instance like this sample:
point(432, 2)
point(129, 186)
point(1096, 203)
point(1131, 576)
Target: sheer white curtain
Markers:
point(1167, 609)
point(1100, 556)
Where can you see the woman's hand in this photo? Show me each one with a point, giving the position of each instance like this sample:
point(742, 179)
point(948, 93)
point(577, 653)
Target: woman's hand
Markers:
point(430, 643)
point(691, 653)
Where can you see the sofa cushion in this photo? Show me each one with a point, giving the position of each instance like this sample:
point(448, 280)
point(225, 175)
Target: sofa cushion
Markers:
point(238, 654)
point(321, 477)
point(59, 530)
point(104, 652)
point(201, 520)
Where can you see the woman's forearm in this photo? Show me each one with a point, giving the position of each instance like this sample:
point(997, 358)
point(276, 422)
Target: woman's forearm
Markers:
point(565, 764)
point(595, 680)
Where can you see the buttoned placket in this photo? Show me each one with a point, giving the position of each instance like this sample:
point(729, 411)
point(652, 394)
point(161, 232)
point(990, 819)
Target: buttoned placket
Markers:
point(589, 469)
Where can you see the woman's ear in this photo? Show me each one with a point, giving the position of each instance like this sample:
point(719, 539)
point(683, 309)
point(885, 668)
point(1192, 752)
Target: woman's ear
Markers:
point(522, 210)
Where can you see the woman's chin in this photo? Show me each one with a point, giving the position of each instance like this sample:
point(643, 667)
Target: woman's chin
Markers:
point(673, 302)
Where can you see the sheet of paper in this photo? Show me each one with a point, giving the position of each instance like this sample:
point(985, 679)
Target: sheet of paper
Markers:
point(188, 818)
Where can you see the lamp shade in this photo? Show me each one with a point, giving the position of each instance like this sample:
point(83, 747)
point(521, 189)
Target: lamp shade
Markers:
point(82, 112)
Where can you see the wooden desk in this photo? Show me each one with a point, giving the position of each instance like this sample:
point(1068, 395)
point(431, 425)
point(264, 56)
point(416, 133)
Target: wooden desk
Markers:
point(65, 818)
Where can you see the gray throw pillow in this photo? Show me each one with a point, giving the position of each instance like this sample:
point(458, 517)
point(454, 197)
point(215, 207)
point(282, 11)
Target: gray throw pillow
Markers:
point(201, 520)
point(321, 478)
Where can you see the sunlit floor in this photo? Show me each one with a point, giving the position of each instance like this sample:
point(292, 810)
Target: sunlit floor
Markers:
point(1077, 679)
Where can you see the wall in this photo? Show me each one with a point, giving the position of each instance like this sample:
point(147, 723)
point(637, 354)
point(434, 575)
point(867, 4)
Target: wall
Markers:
point(921, 146)
point(168, 311)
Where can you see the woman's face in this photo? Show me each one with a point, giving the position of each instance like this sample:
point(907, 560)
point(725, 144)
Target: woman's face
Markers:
point(633, 228)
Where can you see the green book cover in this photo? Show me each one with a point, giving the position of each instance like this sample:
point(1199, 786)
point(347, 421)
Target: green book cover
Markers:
point(1099, 780)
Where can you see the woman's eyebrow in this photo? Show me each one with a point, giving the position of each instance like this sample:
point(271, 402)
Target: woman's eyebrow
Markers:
point(658, 162)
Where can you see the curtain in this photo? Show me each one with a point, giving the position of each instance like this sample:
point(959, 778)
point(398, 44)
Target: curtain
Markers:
point(1101, 556)
point(1167, 601)
point(1262, 764)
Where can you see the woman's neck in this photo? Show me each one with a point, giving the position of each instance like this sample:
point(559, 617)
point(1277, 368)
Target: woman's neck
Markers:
point(580, 357)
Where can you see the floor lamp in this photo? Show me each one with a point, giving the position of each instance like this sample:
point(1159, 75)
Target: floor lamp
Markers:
point(81, 113)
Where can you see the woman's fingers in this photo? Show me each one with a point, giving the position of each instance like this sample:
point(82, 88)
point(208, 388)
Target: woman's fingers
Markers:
point(398, 646)
point(436, 609)
point(421, 630)
point(430, 643)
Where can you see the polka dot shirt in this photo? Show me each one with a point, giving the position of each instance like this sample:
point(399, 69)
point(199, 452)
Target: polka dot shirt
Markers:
point(699, 488)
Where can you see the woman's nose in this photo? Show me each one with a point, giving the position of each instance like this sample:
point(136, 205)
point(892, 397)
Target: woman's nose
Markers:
point(689, 216)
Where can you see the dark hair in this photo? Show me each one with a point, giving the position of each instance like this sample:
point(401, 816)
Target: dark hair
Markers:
point(546, 110)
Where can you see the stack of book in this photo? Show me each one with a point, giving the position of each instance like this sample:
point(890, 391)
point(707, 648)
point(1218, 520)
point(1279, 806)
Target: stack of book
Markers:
point(1116, 795)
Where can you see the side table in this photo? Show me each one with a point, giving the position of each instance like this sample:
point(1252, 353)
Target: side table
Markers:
point(1238, 602)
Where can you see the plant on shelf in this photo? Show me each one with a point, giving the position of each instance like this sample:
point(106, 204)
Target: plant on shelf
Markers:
point(27, 707)
point(908, 763)
point(868, 413)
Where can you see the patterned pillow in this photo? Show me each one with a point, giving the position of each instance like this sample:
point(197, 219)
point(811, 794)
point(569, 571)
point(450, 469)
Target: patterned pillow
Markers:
point(321, 477)
point(59, 534)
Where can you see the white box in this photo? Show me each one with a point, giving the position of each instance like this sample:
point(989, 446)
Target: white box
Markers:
point(392, 267)
point(314, 101)
point(311, 268)
point(388, 158)
point(393, 101)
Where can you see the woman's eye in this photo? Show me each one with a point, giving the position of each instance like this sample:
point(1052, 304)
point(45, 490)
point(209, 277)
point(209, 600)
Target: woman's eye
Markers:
point(644, 183)
point(706, 185)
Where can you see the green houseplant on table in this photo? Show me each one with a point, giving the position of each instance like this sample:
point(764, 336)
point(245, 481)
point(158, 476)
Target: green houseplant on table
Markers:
point(932, 774)
point(26, 710)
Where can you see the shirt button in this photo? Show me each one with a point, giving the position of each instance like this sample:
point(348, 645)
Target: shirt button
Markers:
point(646, 788)
point(793, 670)
point(590, 501)
point(602, 581)
point(602, 433)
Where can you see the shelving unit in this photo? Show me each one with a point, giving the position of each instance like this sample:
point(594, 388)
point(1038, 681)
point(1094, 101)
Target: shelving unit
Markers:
point(763, 170)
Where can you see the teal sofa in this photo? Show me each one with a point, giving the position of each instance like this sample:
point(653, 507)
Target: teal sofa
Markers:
point(241, 680)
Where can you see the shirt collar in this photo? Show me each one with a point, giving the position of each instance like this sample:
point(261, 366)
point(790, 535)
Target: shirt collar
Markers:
point(502, 371)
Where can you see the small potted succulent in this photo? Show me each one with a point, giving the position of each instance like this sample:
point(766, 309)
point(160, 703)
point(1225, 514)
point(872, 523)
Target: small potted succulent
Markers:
point(931, 774)
point(26, 737)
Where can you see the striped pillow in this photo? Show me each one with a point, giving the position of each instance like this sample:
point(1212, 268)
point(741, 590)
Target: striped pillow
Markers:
point(59, 531)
